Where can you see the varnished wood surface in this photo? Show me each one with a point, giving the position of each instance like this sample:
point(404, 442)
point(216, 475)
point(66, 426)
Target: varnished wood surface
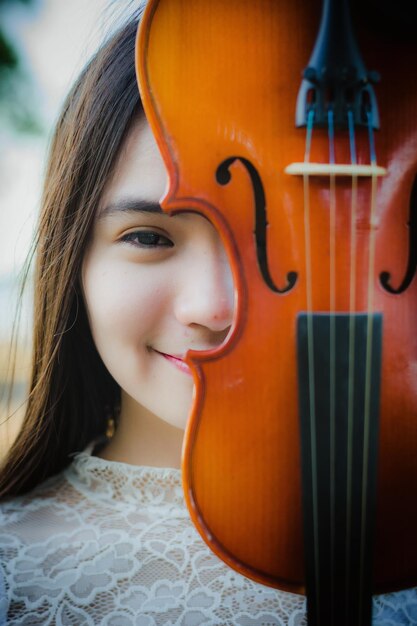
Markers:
point(220, 79)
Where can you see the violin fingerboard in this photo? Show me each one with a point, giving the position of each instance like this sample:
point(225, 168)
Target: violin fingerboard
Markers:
point(339, 369)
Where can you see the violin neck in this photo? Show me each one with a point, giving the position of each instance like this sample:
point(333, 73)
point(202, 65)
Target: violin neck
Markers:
point(339, 364)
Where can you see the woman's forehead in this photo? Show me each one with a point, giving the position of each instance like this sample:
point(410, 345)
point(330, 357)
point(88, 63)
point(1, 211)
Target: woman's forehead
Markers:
point(140, 171)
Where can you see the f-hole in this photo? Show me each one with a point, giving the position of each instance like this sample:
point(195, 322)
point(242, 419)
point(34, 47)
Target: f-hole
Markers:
point(223, 177)
point(385, 277)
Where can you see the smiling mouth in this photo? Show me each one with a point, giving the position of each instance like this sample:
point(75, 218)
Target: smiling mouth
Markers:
point(177, 361)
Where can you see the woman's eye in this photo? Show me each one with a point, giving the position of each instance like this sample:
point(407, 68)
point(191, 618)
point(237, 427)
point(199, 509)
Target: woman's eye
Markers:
point(147, 239)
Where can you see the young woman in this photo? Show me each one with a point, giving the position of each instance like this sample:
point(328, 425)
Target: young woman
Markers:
point(93, 527)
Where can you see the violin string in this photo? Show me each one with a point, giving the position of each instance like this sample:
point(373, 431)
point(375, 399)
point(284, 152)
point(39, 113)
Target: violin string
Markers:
point(351, 371)
point(371, 265)
point(332, 347)
point(310, 343)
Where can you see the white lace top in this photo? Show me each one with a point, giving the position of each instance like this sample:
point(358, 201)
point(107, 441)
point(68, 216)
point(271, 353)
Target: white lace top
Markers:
point(112, 544)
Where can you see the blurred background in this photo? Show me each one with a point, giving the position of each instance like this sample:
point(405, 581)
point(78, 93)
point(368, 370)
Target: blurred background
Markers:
point(43, 46)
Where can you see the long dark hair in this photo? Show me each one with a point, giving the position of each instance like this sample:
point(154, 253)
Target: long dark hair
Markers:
point(71, 392)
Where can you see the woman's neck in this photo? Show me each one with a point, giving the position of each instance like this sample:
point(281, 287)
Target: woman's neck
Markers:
point(142, 438)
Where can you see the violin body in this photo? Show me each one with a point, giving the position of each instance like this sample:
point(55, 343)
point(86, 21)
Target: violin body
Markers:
point(219, 82)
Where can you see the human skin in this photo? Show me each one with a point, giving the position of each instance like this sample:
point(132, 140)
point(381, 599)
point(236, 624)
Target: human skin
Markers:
point(154, 286)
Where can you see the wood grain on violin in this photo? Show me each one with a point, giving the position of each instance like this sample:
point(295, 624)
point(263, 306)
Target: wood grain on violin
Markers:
point(324, 263)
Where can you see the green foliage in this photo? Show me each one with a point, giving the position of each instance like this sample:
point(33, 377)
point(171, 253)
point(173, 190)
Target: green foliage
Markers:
point(8, 55)
point(16, 95)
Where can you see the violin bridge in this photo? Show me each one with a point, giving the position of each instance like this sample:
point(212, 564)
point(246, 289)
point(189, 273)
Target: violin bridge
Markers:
point(334, 169)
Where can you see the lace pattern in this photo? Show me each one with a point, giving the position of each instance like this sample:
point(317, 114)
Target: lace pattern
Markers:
point(112, 544)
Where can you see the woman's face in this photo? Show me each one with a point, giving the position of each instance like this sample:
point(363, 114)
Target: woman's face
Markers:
point(155, 286)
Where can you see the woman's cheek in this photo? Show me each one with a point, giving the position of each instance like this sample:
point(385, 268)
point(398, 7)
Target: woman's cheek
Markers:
point(127, 302)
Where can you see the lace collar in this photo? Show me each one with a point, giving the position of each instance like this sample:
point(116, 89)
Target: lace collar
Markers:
point(121, 482)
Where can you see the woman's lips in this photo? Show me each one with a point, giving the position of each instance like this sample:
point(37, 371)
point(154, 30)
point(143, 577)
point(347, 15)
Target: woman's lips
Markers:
point(177, 361)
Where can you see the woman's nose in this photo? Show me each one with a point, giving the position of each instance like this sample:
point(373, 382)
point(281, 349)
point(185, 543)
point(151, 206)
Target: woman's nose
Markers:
point(206, 293)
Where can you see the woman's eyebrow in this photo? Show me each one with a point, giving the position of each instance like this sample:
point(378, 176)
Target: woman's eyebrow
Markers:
point(130, 206)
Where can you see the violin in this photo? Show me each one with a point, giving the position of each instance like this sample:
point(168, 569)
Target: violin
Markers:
point(299, 462)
